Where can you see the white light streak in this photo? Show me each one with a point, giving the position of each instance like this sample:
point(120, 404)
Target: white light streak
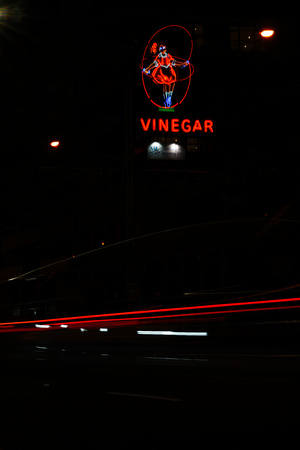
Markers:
point(63, 325)
point(37, 325)
point(171, 333)
point(103, 330)
point(155, 397)
point(170, 358)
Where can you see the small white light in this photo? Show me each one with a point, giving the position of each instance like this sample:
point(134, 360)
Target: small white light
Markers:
point(83, 330)
point(104, 330)
point(64, 325)
point(167, 358)
point(174, 147)
point(41, 326)
point(155, 147)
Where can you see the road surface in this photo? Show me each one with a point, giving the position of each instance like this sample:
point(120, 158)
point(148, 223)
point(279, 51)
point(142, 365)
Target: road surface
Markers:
point(147, 394)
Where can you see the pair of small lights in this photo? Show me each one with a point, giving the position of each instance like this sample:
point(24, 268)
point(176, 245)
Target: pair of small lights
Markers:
point(103, 330)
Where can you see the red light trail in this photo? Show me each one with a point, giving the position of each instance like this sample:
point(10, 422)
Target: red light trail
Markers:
point(134, 317)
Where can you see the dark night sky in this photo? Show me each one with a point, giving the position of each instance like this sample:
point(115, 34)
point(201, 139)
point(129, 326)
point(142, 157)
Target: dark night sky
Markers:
point(63, 69)
point(54, 56)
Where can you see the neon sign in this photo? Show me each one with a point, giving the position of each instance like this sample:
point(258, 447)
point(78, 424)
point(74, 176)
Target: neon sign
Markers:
point(160, 69)
point(177, 125)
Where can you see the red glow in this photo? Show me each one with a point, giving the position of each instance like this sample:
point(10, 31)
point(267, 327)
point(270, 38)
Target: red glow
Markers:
point(145, 125)
point(133, 317)
point(197, 126)
point(158, 75)
point(176, 125)
point(153, 49)
point(163, 124)
point(185, 125)
point(208, 125)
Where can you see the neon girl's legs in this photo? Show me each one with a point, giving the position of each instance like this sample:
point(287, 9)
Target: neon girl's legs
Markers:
point(168, 99)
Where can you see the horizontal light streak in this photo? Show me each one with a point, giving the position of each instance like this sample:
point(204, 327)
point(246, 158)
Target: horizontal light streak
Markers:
point(171, 333)
point(154, 397)
point(170, 358)
point(139, 312)
point(151, 314)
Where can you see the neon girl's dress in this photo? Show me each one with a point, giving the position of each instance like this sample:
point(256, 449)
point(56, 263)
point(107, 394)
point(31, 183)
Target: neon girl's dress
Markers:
point(164, 72)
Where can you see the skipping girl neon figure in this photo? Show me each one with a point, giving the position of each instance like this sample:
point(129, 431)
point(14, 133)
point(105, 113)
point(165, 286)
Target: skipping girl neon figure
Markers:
point(164, 73)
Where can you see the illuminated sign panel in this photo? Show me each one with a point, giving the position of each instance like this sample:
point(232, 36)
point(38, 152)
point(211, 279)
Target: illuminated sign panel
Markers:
point(166, 71)
point(177, 125)
point(166, 79)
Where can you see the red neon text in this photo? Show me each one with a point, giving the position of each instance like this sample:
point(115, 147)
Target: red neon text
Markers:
point(175, 125)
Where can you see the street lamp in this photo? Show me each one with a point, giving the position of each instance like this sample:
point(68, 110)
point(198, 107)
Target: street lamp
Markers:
point(54, 144)
point(267, 33)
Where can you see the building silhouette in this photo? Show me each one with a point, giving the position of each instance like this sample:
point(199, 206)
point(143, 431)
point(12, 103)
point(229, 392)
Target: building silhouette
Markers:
point(119, 218)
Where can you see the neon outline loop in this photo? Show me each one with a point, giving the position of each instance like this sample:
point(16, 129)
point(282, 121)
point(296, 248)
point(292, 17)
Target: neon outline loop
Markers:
point(163, 69)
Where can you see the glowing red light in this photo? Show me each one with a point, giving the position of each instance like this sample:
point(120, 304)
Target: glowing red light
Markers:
point(153, 49)
point(133, 317)
point(175, 125)
point(163, 69)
